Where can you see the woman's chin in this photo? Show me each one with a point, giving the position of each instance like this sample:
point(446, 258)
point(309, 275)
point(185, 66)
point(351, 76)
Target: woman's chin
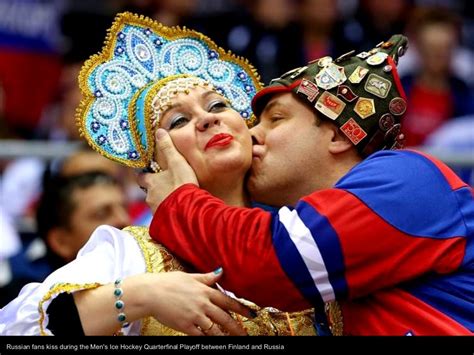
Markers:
point(228, 168)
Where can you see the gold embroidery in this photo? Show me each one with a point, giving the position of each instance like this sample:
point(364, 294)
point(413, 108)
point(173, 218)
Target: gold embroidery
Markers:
point(157, 259)
point(292, 332)
point(334, 314)
point(272, 322)
point(267, 322)
point(55, 290)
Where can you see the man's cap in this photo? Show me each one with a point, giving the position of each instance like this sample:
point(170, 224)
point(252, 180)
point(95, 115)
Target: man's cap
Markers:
point(361, 93)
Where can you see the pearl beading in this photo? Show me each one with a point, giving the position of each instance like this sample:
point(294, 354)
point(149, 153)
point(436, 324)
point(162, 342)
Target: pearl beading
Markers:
point(162, 99)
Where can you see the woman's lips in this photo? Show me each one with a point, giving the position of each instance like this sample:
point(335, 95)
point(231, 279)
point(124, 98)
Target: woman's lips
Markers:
point(219, 140)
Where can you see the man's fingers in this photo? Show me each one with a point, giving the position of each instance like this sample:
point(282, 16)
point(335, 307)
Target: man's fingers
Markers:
point(225, 302)
point(226, 323)
point(165, 151)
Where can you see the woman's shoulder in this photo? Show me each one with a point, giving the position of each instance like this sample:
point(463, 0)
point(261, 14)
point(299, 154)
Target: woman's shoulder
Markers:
point(157, 257)
point(106, 237)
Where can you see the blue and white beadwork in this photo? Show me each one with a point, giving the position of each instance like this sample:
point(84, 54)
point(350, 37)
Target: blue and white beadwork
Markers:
point(139, 55)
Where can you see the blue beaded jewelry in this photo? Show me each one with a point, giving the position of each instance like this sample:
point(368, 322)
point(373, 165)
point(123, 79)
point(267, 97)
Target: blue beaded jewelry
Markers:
point(119, 304)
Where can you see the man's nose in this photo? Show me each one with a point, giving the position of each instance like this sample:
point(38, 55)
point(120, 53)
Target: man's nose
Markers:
point(257, 135)
point(120, 218)
point(207, 121)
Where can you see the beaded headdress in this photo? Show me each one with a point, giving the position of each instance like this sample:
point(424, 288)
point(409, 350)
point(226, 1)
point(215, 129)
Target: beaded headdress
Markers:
point(142, 65)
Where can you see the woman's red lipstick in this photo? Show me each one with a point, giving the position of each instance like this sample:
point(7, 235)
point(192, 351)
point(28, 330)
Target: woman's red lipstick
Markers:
point(220, 140)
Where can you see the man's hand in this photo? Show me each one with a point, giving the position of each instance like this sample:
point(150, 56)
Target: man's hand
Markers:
point(176, 172)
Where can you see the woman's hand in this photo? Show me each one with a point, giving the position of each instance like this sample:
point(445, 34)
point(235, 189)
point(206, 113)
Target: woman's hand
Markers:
point(187, 303)
point(182, 301)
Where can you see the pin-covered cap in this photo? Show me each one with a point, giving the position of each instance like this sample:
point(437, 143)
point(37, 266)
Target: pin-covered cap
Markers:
point(361, 93)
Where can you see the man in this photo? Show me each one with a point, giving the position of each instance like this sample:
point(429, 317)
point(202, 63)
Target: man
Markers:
point(386, 234)
point(69, 210)
point(72, 207)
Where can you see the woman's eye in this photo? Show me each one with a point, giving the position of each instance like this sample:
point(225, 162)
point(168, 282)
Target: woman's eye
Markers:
point(178, 122)
point(218, 105)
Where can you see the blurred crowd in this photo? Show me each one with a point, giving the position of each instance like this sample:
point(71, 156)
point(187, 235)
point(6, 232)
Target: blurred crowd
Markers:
point(48, 208)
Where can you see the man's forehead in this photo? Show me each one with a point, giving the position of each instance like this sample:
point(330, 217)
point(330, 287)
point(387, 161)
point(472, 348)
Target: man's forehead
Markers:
point(278, 101)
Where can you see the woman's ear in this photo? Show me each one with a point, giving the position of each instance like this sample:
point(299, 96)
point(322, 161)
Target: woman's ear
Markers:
point(339, 142)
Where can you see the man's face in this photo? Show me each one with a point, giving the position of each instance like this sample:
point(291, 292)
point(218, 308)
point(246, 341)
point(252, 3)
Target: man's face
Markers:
point(93, 206)
point(291, 149)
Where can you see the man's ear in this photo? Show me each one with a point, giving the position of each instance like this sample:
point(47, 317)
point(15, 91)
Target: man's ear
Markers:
point(57, 241)
point(339, 142)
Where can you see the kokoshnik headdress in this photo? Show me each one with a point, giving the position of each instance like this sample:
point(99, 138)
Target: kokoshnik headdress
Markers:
point(142, 65)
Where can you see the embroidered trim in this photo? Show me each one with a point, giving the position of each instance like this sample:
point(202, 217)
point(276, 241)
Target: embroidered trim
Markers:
point(157, 260)
point(334, 313)
point(55, 290)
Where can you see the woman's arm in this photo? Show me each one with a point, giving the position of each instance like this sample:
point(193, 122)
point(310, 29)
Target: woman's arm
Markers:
point(182, 301)
point(108, 253)
point(178, 300)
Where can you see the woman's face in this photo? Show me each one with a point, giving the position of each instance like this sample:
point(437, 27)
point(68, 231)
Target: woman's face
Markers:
point(211, 135)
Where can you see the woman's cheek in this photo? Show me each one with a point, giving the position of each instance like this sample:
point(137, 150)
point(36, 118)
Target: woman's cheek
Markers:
point(181, 142)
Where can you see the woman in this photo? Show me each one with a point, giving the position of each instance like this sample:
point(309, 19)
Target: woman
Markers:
point(119, 274)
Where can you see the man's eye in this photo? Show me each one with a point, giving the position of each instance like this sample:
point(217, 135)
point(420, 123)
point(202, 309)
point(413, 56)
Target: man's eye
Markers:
point(101, 213)
point(178, 122)
point(275, 118)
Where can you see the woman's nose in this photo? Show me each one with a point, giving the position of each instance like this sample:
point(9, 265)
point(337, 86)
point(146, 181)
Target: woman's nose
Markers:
point(207, 121)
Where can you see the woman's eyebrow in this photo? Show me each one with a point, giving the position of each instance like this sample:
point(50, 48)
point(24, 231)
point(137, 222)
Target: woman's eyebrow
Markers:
point(178, 104)
point(209, 93)
point(170, 107)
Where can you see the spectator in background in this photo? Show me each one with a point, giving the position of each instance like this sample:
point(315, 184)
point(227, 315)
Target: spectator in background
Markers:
point(74, 201)
point(88, 160)
point(85, 160)
point(71, 208)
point(435, 94)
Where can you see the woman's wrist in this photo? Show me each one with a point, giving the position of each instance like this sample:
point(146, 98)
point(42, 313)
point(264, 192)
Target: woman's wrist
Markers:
point(142, 293)
point(136, 294)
